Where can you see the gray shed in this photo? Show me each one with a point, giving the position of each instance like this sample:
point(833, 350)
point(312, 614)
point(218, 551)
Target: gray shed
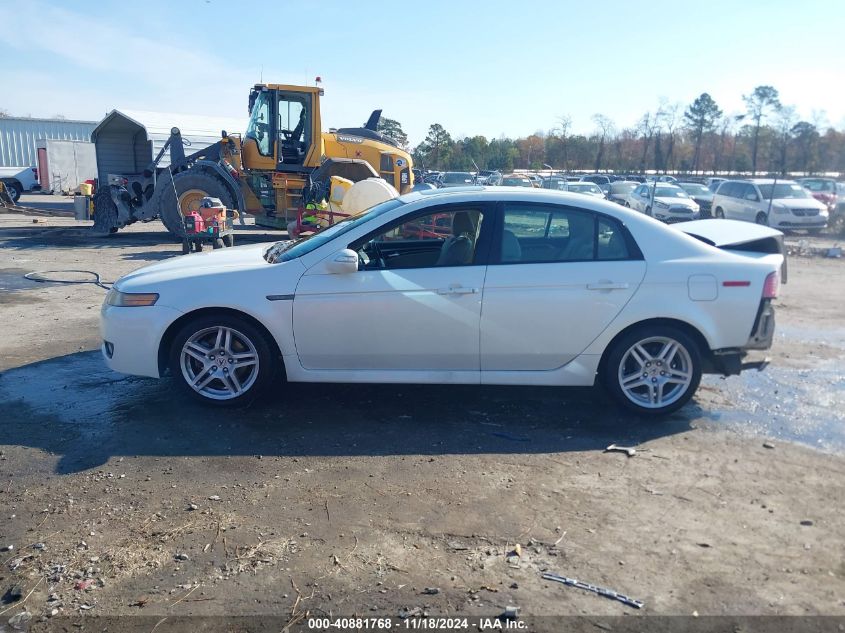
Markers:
point(126, 141)
point(19, 137)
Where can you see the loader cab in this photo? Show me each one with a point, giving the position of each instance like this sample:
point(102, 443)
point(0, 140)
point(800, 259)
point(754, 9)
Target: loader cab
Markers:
point(284, 129)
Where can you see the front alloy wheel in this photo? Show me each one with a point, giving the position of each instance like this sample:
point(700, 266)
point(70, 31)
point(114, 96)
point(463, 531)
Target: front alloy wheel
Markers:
point(221, 360)
point(654, 370)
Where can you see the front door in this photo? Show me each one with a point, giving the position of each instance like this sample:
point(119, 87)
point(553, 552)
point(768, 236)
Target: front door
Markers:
point(557, 280)
point(414, 304)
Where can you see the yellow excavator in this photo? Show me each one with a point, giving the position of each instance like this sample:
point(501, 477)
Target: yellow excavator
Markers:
point(281, 164)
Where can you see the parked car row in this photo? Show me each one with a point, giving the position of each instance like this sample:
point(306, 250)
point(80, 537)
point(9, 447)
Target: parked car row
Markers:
point(806, 204)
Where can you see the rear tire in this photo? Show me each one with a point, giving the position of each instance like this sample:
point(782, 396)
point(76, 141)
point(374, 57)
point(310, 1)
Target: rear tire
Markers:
point(218, 243)
point(229, 240)
point(194, 180)
point(242, 367)
point(653, 370)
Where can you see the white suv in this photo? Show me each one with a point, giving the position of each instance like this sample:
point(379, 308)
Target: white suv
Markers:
point(791, 206)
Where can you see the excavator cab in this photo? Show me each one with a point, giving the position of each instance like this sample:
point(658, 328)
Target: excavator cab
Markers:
point(283, 134)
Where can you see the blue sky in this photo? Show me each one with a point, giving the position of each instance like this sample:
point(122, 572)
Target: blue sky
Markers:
point(492, 68)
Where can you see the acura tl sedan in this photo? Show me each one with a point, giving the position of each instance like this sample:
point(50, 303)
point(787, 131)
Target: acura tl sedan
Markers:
point(497, 286)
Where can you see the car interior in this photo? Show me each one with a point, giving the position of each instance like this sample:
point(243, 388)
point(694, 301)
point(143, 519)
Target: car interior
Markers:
point(529, 235)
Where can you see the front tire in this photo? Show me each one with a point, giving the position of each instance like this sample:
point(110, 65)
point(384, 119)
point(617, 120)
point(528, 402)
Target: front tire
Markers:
point(222, 360)
point(720, 215)
point(653, 370)
point(762, 219)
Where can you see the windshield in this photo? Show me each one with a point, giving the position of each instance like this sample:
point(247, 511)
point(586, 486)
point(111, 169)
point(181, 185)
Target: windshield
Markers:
point(819, 186)
point(622, 187)
point(457, 176)
point(694, 189)
point(516, 182)
point(586, 187)
point(783, 190)
point(288, 250)
point(670, 192)
point(259, 124)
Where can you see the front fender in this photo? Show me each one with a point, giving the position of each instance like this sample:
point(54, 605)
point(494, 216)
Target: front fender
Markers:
point(226, 177)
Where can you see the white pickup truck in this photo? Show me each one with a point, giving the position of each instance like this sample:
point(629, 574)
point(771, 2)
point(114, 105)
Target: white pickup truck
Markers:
point(19, 179)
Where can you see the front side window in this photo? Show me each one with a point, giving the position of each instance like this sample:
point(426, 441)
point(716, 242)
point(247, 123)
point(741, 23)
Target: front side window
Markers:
point(446, 237)
point(541, 234)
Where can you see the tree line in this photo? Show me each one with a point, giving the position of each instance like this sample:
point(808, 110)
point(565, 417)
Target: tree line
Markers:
point(768, 137)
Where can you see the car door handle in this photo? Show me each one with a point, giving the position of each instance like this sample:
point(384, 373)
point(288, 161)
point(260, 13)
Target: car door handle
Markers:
point(457, 290)
point(607, 285)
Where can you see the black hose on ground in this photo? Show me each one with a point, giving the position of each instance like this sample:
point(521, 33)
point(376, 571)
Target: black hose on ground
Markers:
point(39, 276)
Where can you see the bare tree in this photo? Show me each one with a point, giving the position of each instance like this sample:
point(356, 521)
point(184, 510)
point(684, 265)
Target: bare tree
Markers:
point(670, 116)
point(604, 128)
point(760, 103)
point(785, 121)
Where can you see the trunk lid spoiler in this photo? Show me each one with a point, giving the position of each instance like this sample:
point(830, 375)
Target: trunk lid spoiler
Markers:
point(738, 236)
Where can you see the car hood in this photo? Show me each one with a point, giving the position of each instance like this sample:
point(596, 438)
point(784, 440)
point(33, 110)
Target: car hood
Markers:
point(798, 203)
point(676, 202)
point(195, 264)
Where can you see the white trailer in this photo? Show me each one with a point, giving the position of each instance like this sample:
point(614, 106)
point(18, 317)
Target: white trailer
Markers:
point(64, 165)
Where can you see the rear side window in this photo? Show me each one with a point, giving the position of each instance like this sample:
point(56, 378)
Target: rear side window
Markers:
point(728, 189)
point(541, 234)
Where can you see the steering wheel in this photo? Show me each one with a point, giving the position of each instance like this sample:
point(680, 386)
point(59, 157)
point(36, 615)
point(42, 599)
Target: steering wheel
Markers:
point(372, 246)
point(288, 134)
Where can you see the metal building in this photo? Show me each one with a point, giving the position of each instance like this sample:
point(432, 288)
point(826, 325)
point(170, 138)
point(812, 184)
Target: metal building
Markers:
point(19, 137)
point(127, 140)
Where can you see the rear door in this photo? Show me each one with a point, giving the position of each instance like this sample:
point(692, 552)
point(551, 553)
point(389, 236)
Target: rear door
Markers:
point(558, 276)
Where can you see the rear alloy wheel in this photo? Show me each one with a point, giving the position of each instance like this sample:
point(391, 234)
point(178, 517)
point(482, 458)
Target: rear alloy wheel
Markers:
point(222, 360)
point(653, 370)
point(720, 215)
point(762, 219)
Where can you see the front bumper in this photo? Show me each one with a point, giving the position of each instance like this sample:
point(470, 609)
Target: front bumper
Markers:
point(131, 337)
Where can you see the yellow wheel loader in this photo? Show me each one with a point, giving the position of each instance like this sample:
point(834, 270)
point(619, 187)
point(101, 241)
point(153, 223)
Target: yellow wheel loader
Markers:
point(281, 163)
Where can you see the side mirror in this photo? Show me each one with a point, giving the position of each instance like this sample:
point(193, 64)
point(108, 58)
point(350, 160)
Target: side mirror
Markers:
point(343, 262)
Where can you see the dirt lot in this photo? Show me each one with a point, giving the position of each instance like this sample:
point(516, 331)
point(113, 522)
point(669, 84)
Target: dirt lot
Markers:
point(122, 498)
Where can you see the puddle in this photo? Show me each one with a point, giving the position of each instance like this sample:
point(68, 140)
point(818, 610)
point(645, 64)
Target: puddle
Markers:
point(799, 405)
point(12, 279)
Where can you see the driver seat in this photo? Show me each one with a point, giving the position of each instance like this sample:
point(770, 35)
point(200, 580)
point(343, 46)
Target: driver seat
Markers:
point(459, 249)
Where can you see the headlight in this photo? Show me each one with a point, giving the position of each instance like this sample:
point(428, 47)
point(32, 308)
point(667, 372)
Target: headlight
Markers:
point(661, 205)
point(780, 210)
point(130, 299)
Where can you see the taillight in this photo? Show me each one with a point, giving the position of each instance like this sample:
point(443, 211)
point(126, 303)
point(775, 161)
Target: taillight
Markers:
point(770, 288)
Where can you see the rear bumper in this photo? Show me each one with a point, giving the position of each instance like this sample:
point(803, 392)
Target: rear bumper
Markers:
point(732, 361)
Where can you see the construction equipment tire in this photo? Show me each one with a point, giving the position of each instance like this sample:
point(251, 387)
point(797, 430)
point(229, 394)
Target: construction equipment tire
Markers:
point(191, 186)
point(105, 214)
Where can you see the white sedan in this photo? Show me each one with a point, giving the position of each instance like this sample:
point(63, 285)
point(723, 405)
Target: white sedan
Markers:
point(666, 201)
point(500, 285)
